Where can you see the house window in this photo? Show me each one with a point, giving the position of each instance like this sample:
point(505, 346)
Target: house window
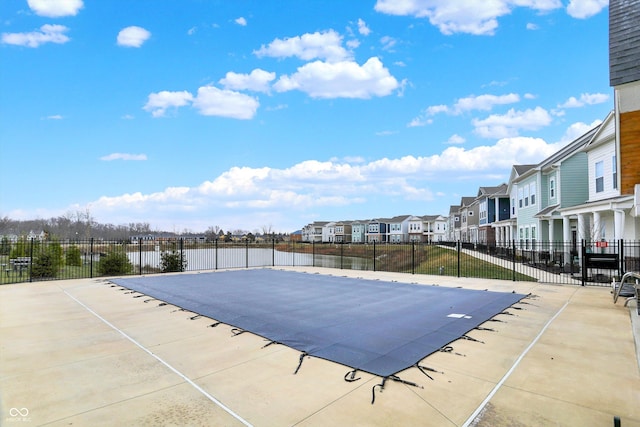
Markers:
point(599, 177)
point(513, 206)
point(614, 168)
point(552, 188)
point(520, 197)
point(526, 195)
point(532, 190)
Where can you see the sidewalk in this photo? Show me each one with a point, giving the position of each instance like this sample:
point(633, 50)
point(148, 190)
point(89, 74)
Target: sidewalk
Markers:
point(82, 352)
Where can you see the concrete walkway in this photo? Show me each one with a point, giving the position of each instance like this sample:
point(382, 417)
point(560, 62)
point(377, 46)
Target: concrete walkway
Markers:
point(84, 353)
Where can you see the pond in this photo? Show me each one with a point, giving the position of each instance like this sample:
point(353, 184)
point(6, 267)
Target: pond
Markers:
point(211, 259)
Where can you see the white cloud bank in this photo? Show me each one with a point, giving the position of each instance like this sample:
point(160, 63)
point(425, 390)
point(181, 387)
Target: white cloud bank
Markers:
point(249, 195)
point(55, 8)
point(479, 17)
point(47, 34)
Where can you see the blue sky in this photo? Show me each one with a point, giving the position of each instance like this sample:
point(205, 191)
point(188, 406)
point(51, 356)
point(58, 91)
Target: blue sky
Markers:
point(250, 114)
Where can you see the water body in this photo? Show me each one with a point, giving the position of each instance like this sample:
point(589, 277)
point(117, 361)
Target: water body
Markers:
point(211, 259)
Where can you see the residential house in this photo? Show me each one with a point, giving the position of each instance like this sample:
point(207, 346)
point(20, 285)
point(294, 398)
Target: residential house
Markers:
point(399, 229)
point(312, 233)
point(359, 231)
point(453, 229)
point(493, 206)
point(607, 214)
point(415, 232)
point(468, 220)
point(506, 229)
point(624, 77)
point(435, 228)
point(329, 232)
point(377, 231)
point(343, 232)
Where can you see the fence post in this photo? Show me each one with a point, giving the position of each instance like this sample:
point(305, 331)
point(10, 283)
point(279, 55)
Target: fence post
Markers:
point(413, 257)
point(181, 254)
point(374, 255)
point(459, 248)
point(341, 254)
point(140, 256)
point(246, 253)
point(621, 266)
point(30, 262)
point(215, 254)
point(313, 253)
point(91, 258)
point(513, 260)
point(583, 264)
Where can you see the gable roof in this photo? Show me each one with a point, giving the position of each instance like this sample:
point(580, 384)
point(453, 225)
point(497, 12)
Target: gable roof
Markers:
point(488, 191)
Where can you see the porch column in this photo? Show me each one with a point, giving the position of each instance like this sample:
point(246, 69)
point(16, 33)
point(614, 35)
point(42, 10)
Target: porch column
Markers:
point(566, 237)
point(551, 234)
point(597, 231)
point(618, 224)
point(582, 231)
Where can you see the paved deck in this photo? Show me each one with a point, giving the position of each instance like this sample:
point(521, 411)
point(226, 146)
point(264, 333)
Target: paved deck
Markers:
point(83, 353)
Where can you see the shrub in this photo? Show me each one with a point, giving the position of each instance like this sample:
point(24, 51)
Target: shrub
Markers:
point(172, 262)
point(72, 257)
point(114, 264)
point(45, 264)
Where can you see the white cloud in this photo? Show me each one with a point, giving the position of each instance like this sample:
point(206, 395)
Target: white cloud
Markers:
point(55, 8)
point(344, 79)
point(362, 28)
point(585, 99)
point(419, 121)
point(436, 109)
point(258, 81)
point(388, 43)
point(462, 16)
point(123, 156)
point(48, 34)
point(483, 102)
point(133, 36)
point(159, 102)
point(472, 103)
point(241, 21)
point(509, 124)
point(456, 139)
point(531, 26)
point(326, 45)
point(576, 130)
point(212, 101)
point(582, 9)
point(55, 117)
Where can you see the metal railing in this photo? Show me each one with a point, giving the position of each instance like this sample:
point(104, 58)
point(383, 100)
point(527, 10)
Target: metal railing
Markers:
point(557, 262)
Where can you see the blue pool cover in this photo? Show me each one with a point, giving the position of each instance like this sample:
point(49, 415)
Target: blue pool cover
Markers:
point(373, 326)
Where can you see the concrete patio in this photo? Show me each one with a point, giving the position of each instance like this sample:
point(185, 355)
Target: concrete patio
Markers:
point(84, 353)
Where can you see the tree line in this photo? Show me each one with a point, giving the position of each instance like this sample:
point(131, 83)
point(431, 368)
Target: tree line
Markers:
point(81, 225)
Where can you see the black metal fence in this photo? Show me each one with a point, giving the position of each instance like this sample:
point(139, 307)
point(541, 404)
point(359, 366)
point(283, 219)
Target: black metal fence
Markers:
point(584, 263)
